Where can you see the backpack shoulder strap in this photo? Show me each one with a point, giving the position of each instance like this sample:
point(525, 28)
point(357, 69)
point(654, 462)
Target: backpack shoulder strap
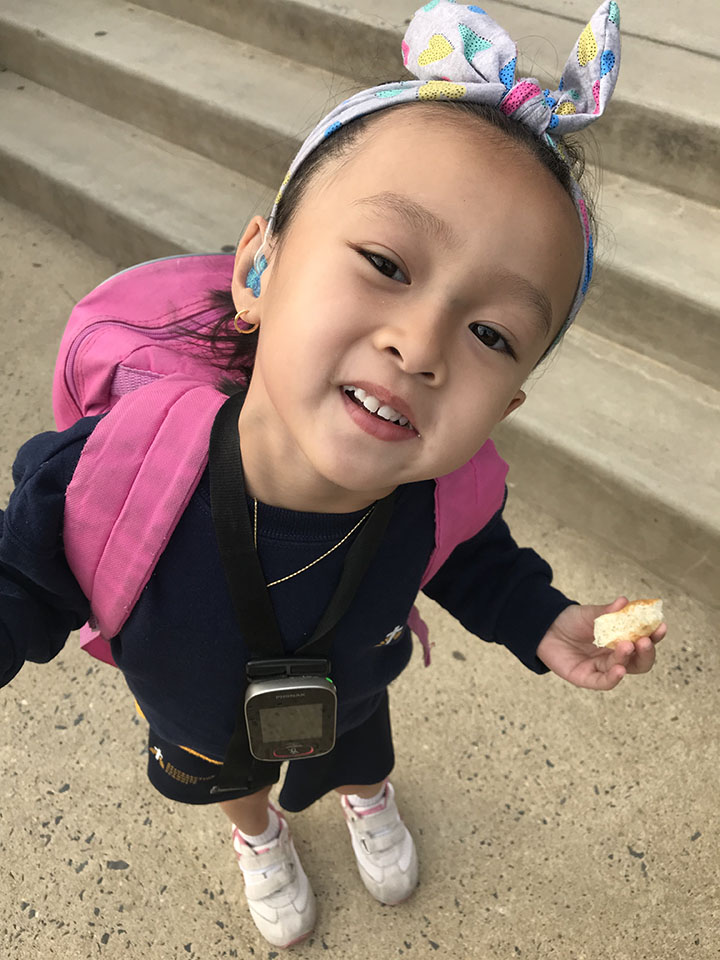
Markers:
point(137, 473)
point(465, 501)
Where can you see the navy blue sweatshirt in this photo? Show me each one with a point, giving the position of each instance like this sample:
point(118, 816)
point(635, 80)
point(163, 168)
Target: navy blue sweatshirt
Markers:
point(182, 651)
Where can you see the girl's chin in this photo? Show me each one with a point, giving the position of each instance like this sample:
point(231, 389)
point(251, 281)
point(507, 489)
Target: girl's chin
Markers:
point(360, 484)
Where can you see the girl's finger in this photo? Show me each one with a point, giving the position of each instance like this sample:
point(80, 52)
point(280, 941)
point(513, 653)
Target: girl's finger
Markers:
point(592, 610)
point(658, 635)
point(597, 674)
point(644, 656)
point(608, 680)
point(622, 653)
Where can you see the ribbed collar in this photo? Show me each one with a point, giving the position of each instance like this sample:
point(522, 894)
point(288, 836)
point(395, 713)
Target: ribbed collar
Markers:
point(277, 523)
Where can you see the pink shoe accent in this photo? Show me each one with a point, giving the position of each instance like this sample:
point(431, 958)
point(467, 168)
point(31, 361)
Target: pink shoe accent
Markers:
point(241, 839)
point(361, 811)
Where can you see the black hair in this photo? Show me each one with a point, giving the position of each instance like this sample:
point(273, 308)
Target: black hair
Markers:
point(234, 353)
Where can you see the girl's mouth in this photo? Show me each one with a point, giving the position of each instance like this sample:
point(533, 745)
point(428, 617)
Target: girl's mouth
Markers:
point(376, 408)
point(375, 418)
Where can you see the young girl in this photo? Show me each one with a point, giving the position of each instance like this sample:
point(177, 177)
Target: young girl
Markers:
point(428, 248)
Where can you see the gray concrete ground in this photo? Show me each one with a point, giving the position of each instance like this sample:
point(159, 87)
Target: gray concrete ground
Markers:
point(551, 822)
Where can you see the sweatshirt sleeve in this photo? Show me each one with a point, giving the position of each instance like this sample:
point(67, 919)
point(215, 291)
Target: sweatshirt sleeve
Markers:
point(40, 600)
point(499, 591)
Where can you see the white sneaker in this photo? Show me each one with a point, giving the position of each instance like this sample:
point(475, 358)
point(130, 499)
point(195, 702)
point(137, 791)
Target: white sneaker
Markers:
point(278, 892)
point(384, 849)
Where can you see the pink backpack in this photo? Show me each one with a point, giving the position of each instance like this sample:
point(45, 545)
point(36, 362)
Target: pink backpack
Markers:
point(121, 353)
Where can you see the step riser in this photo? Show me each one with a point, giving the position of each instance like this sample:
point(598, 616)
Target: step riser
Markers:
point(670, 545)
point(670, 152)
point(665, 150)
point(69, 207)
point(199, 125)
point(671, 329)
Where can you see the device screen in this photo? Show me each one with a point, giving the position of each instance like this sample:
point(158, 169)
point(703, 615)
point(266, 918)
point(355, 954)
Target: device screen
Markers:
point(293, 721)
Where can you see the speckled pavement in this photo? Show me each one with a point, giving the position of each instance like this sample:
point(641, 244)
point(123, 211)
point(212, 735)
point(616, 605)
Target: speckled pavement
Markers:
point(551, 822)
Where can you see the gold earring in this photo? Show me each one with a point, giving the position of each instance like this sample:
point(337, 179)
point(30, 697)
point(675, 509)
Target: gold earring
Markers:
point(250, 329)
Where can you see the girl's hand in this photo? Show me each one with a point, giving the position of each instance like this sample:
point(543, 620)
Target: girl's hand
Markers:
point(568, 649)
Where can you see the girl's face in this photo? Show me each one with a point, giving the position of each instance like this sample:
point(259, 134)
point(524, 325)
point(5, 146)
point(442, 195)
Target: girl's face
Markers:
point(430, 271)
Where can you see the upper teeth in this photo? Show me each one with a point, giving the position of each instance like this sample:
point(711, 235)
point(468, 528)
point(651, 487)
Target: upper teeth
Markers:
point(375, 406)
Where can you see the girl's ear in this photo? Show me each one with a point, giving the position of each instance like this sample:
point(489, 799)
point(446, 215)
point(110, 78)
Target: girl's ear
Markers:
point(517, 401)
point(248, 246)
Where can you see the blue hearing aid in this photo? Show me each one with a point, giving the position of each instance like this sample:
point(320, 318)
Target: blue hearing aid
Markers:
point(252, 281)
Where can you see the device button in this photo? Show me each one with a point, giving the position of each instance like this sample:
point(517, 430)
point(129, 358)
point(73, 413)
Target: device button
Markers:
point(287, 753)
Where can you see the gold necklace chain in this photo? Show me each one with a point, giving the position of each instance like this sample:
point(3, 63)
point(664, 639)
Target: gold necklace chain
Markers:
point(308, 565)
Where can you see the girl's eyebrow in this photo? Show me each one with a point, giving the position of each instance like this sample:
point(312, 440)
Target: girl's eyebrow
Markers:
point(522, 289)
point(415, 214)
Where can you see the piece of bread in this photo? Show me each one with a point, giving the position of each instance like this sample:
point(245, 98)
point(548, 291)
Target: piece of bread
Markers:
point(638, 619)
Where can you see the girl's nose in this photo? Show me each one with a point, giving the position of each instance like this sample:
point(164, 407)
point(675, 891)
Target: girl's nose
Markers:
point(417, 346)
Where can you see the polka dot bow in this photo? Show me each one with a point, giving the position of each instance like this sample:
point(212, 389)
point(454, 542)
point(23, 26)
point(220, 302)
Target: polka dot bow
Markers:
point(458, 52)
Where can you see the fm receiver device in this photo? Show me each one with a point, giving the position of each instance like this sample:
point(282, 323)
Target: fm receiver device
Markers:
point(290, 708)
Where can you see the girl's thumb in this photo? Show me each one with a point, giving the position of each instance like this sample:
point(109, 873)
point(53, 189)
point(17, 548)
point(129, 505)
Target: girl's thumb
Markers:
point(614, 606)
point(596, 610)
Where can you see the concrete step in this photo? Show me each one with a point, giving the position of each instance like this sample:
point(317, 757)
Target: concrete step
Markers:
point(625, 449)
point(657, 286)
point(240, 106)
point(124, 192)
point(664, 123)
point(253, 121)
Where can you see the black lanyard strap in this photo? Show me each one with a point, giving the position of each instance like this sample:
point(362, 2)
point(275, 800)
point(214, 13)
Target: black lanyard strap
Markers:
point(241, 564)
point(243, 572)
point(355, 567)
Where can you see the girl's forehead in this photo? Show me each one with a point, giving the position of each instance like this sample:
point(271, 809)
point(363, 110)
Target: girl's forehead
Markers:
point(462, 172)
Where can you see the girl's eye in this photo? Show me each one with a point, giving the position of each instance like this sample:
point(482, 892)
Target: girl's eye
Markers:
point(491, 338)
point(384, 266)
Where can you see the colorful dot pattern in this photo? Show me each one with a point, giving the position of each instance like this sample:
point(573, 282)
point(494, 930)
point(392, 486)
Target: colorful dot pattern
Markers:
point(441, 90)
point(456, 51)
point(587, 47)
point(473, 43)
point(607, 62)
point(437, 49)
point(520, 94)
